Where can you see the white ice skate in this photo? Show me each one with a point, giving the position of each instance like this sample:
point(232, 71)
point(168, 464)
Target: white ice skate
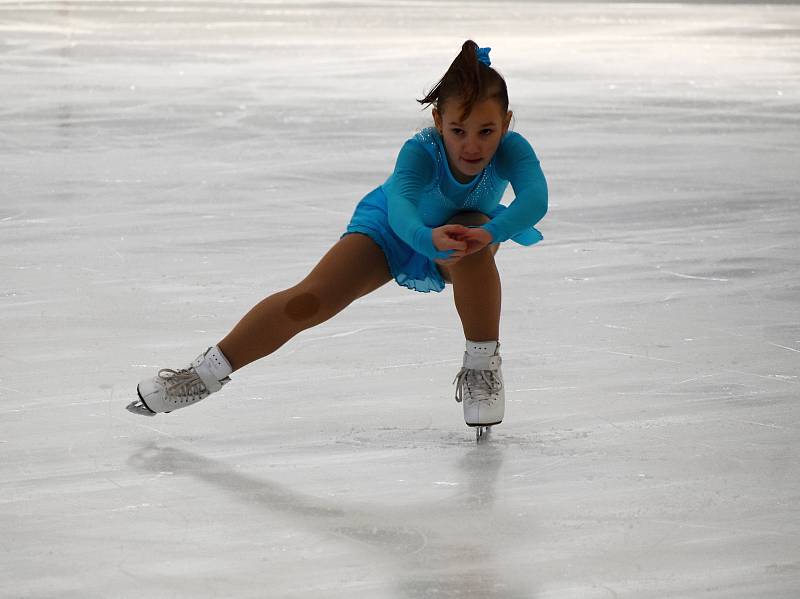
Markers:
point(479, 387)
point(174, 389)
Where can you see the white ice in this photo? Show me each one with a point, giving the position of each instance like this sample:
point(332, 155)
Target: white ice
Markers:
point(165, 165)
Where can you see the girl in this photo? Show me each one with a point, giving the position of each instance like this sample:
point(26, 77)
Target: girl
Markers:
point(436, 220)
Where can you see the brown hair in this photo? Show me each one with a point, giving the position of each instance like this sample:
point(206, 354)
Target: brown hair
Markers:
point(469, 80)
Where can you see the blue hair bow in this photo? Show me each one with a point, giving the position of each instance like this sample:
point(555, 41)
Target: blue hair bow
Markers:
point(483, 56)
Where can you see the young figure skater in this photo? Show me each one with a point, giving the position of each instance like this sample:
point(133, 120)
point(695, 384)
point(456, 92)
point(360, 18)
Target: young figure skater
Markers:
point(436, 220)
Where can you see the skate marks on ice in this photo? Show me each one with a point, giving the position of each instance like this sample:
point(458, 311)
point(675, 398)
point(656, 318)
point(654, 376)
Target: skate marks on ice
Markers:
point(408, 438)
point(504, 435)
point(436, 548)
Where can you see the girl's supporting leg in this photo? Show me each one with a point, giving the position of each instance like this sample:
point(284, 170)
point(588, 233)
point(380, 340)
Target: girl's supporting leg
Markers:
point(352, 268)
point(476, 286)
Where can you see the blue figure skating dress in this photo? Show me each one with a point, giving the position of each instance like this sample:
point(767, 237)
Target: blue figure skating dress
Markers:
point(422, 194)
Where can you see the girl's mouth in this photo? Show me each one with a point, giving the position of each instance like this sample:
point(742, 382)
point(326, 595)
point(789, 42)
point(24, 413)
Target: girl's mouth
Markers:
point(476, 161)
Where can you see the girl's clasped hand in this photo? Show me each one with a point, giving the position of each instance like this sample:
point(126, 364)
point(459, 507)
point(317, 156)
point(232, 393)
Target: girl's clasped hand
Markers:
point(461, 240)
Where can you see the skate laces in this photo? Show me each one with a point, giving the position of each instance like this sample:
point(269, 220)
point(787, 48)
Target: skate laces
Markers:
point(183, 383)
point(481, 385)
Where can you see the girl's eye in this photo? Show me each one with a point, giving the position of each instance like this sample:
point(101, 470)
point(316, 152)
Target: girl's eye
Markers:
point(484, 132)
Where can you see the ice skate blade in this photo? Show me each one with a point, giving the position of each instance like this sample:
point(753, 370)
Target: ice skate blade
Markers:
point(482, 433)
point(483, 424)
point(138, 407)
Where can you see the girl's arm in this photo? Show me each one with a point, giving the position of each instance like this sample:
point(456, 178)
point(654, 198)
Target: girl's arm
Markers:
point(412, 172)
point(516, 162)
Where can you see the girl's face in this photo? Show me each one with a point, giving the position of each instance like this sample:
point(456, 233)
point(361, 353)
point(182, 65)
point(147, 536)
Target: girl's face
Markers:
point(471, 144)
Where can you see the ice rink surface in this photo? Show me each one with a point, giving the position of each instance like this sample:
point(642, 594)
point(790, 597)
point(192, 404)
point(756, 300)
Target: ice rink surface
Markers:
point(165, 165)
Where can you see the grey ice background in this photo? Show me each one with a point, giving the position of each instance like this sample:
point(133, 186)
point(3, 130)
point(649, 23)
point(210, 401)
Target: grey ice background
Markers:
point(164, 165)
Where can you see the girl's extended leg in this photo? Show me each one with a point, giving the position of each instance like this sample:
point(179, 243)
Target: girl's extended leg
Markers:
point(352, 268)
point(476, 286)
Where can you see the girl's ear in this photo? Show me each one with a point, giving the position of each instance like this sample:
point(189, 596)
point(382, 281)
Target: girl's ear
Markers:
point(507, 122)
point(437, 120)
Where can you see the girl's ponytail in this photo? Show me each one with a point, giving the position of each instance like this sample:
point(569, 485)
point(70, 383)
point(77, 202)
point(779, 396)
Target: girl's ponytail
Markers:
point(468, 80)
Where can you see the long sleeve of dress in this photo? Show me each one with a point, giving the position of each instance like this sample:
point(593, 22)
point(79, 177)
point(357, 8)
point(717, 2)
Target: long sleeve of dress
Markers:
point(412, 173)
point(517, 163)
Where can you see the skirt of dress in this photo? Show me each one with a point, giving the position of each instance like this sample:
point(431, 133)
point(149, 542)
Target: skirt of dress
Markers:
point(408, 267)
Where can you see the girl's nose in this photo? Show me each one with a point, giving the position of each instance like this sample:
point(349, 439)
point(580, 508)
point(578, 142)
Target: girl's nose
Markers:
point(471, 146)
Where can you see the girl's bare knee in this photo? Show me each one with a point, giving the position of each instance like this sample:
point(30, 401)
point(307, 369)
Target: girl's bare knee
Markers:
point(302, 306)
point(313, 302)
